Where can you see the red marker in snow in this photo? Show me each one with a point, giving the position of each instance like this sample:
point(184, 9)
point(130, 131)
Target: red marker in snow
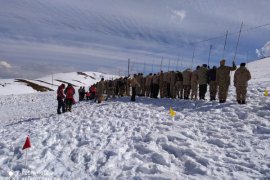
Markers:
point(27, 143)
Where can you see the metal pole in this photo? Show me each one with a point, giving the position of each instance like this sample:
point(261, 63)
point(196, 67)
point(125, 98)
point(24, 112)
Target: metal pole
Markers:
point(247, 58)
point(152, 67)
point(128, 66)
point(169, 65)
point(181, 64)
point(193, 57)
point(177, 63)
point(144, 68)
point(132, 67)
point(225, 43)
point(161, 63)
point(238, 41)
point(209, 54)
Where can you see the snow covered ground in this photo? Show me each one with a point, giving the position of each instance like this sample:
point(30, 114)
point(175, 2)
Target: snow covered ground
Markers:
point(119, 139)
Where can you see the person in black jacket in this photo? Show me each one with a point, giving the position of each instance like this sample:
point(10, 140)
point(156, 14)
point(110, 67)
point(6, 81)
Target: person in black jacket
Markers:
point(212, 74)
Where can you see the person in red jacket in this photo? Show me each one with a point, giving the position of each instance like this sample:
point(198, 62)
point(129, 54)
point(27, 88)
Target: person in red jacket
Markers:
point(88, 94)
point(69, 91)
point(92, 91)
point(60, 99)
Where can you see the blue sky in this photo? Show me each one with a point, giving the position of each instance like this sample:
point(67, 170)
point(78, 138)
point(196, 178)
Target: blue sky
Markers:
point(40, 37)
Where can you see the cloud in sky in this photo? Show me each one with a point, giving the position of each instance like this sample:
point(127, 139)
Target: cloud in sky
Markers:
point(98, 34)
point(178, 15)
point(4, 64)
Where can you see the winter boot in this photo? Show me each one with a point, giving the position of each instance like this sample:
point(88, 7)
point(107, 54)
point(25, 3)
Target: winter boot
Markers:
point(222, 101)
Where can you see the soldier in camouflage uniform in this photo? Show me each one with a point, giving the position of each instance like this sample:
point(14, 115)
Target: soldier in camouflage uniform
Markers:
point(179, 85)
point(134, 85)
point(155, 86)
point(241, 78)
point(161, 86)
point(127, 87)
point(109, 87)
point(172, 84)
point(202, 80)
point(143, 85)
point(187, 82)
point(194, 84)
point(223, 80)
point(100, 89)
point(148, 82)
point(168, 86)
point(122, 87)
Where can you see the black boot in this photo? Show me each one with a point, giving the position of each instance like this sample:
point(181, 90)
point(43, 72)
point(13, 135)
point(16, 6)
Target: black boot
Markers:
point(58, 111)
point(239, 102)
point(222, 101)
point(243, 102)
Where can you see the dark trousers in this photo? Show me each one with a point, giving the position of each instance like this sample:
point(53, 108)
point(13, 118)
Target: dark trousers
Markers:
point(155, 90)
point(61, 104)
point(168, 90)
point(81, 96)
point(202, 91)
point(69, 103)
point(151, 90)
point(133, 95)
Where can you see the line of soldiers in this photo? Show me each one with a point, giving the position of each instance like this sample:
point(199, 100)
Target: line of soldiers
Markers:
point(182, 85)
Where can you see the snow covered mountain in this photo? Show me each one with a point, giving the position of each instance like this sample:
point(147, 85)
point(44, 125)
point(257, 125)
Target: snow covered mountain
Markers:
point(119, 139)
point(260, 70)
point(51, 82)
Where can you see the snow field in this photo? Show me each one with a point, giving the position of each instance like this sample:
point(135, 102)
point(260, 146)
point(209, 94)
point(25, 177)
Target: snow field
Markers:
point(119, 139)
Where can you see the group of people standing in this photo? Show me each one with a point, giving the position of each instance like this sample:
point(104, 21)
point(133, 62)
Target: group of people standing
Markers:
point(89, 95)
point(173, 84)
point(183, 85)
point(65, 98)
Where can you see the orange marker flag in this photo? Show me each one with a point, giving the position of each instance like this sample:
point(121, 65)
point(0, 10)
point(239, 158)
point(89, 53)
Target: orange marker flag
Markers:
point(172, 112)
